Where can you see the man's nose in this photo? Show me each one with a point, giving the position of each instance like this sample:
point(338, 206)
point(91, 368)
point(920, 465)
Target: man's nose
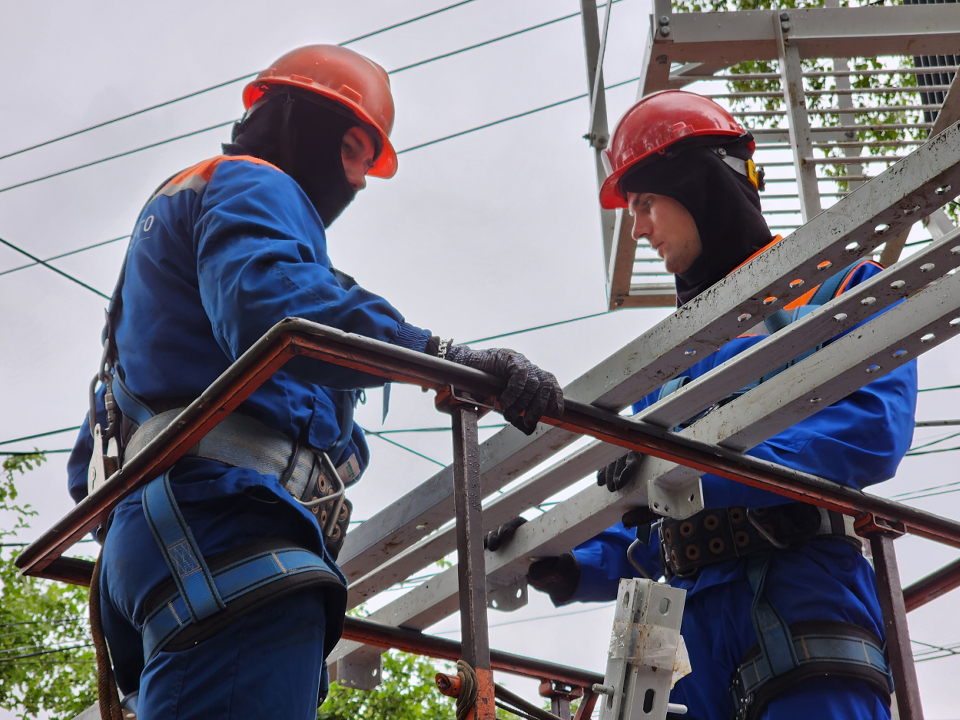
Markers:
point(641, 226)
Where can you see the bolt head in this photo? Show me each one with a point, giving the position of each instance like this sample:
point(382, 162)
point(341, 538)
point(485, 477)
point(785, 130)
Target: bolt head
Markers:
point(785, 26)
point(661, 60)
point(664, 20)
point(665, 30)
point(784, 16)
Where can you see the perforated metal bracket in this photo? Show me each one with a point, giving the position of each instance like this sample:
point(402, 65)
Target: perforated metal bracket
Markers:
point(509, 597)
point(676, 494)
point(643, 651)
point(360, 670)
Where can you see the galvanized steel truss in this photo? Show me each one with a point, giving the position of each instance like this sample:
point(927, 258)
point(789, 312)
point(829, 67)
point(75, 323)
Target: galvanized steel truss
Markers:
point(693, 51)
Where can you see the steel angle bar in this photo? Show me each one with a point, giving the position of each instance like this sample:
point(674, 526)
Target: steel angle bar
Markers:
point(905, 331)
point(684, 337)
point(932, 586)
point(837, 316)
point(796, 110)
point(733, 37)
point(501, 509)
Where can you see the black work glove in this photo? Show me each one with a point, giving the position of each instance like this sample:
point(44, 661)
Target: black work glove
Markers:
point(530, 392)
point(557, 576)
point(616, 474)
point(501, 536)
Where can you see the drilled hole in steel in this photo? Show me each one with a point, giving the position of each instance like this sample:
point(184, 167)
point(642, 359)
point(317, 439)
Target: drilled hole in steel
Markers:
point(881, 228)
point(840, 317)
point(897, 284)
point(689, 352)
point(955, 322)
point(648, 697)
point(928, 337)
point(744, 317)
point(898, 354)
point(664, 606)
point(794, 284)
point(852, 247)
point(769, 300)
point(911, 210)
point(873, 368)
point(519, 593)
point(942, 190)
point(927, 267)
point(815, 400)
point(824, 265)
point(868, 301)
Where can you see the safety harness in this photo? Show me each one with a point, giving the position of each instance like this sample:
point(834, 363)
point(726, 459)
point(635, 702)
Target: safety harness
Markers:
point(204, 595)
point(784, 654)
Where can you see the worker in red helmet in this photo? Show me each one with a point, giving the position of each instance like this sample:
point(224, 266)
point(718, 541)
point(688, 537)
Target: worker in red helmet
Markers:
point(220, 596)
point(781, 617)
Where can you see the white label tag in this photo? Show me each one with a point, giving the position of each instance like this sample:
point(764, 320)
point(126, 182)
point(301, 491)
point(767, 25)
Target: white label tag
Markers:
point(350, 470)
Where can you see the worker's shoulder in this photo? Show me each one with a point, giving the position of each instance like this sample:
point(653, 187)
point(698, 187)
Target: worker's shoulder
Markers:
point(197, 177)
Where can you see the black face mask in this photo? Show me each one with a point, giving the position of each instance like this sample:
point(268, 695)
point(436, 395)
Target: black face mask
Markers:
point(724, 205)
point(303, 137)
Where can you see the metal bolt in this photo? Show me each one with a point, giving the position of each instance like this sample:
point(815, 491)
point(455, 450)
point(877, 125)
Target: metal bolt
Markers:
point(661, 60)
point(618, 302)
point(664, 20)
point(785, 26)
point(665, 30)
point(784, 16)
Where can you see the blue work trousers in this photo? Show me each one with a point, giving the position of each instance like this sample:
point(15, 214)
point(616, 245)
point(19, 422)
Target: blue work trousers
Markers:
point(823, 580)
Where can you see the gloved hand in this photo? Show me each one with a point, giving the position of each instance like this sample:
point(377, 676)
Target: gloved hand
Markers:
point(616, 474)
point(557, 576)
point(501, 536)
point(530, 392)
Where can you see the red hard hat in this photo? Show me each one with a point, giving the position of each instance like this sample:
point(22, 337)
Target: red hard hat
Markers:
point(343, 76)
point(654, 124)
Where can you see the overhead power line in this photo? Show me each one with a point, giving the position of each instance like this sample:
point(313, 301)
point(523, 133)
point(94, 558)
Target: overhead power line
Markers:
point(66, 254)
point(399, 152)
point(195, 93)
point(229, 122)
point(39, 435)
point(56, 270)
point(114, 157)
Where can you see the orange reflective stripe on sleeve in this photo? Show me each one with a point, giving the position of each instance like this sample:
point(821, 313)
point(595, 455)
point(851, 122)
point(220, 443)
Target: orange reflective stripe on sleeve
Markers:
point(194, 178)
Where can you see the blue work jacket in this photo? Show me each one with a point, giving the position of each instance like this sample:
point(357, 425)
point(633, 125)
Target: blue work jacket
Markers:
point(222, 252)
point(857, 442)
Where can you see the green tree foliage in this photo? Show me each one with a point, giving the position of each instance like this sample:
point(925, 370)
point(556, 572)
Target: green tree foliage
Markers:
point(767, 99)
point(46, 662)
point(407, 692)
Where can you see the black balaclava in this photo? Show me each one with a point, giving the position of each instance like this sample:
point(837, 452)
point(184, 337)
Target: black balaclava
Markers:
point(301, 134)
point(724, 205)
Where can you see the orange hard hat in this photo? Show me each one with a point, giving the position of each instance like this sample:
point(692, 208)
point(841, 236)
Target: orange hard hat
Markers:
point(341, 75)
point(654, 124)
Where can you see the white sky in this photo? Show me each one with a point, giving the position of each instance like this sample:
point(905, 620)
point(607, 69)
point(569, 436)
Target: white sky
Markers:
point(491, 232)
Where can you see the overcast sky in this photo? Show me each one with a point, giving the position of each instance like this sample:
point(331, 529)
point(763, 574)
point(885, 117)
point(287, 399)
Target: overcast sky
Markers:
point(494, 231)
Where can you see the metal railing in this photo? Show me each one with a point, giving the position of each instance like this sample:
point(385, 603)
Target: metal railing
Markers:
point(462, 391)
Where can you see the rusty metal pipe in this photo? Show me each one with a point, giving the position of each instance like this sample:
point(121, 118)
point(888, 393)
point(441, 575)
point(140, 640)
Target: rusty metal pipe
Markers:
point(300, 337)
point(932, 586)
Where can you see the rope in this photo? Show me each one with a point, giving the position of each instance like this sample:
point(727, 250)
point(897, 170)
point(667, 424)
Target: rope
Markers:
point(469, 687)
point(107, 696)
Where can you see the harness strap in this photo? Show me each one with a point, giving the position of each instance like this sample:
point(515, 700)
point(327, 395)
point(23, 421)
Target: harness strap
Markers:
point(180, 551)
point(823, 648)
point(776, 643)
point(236, 580)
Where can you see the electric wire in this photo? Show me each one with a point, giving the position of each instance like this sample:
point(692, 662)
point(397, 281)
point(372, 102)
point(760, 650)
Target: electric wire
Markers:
point(66, 254)
point(403, 447)
point(39, 435)
point(537, 327)
point(230, 122)
point(224, 84)
point(114, 157)
point(460, 133)
point(68, 276)
point(5, 661)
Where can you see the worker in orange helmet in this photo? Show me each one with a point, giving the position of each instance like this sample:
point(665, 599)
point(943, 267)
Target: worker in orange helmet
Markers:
point(781, 619)
point(220, 593)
